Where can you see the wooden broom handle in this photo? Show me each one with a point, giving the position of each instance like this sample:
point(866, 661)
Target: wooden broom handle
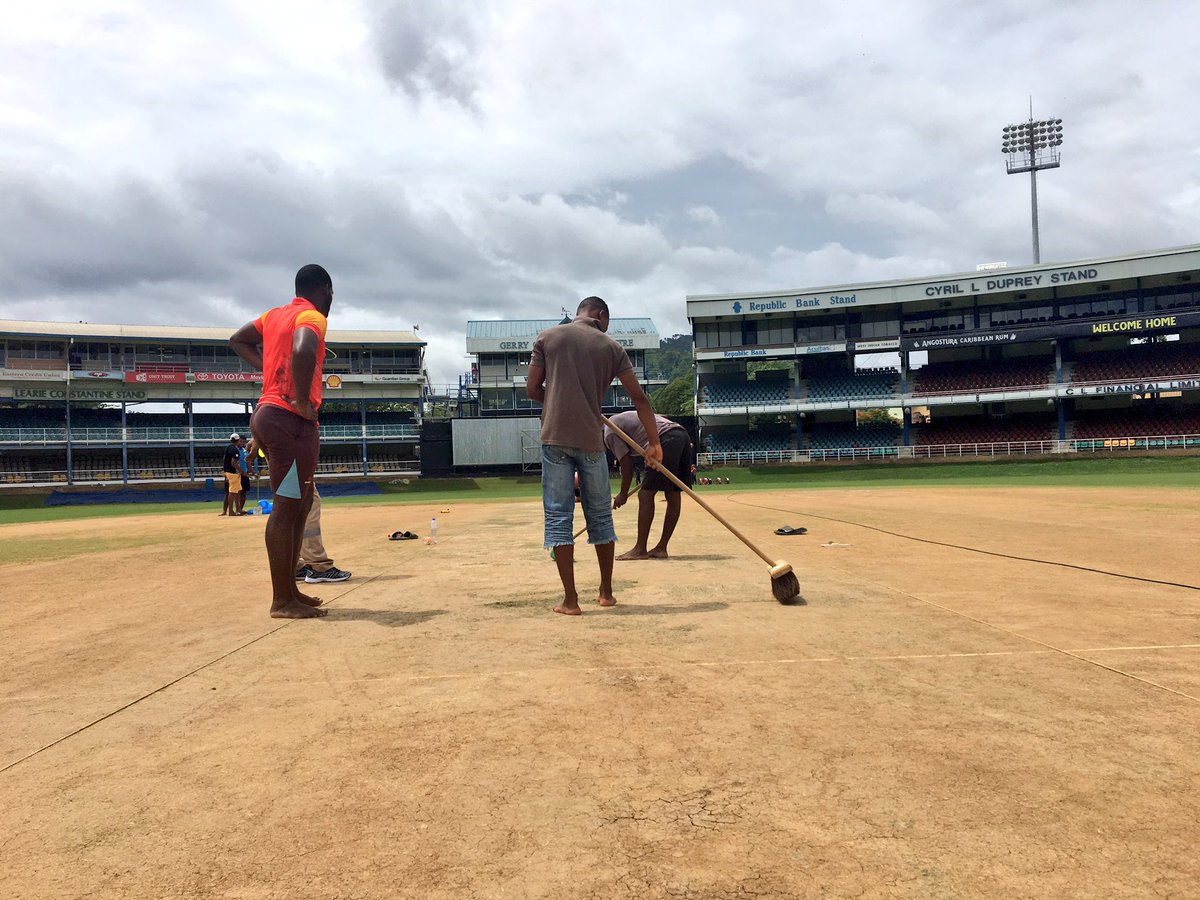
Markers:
point(683, 487)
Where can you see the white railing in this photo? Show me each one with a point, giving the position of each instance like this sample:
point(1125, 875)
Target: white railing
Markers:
point(953, 451)
point(750, 457)
point(989, 448)
point(183, 435)
point(138, 474)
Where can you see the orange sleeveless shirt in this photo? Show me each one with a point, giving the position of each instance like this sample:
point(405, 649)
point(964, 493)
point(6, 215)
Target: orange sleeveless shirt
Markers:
point(278, 328)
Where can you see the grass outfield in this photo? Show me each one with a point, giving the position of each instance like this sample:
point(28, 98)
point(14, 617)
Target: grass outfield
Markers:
point(1172, 472)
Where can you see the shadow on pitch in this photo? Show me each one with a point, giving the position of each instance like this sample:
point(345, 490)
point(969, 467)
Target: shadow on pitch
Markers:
point(664, 609)
point(683, 557)
point(391, 618)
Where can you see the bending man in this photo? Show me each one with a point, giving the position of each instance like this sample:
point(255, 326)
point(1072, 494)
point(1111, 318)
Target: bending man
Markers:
point(677, 458)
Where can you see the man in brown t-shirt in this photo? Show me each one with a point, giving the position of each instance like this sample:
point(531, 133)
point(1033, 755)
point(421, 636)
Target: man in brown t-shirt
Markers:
point(570, 370)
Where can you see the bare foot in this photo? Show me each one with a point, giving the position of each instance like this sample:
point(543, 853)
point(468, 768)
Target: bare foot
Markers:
point(569, 610)
point(606, 601)
point(635, 553)
point(295, 610)
point(657, 553)
point(309, 601)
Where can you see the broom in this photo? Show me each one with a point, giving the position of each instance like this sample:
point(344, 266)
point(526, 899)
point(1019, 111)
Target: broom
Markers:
point(784, 583)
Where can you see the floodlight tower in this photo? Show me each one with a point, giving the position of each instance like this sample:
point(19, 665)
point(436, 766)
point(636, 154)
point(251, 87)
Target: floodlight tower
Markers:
point(1029, 147)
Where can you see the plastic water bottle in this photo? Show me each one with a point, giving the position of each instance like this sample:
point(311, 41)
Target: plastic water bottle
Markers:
point(433, 529)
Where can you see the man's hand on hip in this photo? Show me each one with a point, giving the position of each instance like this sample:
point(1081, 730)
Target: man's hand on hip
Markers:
point(304, 409)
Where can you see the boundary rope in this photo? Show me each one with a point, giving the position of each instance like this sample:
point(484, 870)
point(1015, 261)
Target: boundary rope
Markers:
point(921, 540)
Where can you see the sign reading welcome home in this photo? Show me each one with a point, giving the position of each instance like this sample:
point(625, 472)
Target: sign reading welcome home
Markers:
point(1131, 325)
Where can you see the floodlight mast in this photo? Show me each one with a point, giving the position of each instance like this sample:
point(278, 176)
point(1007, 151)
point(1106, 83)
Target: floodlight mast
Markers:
point(1030, 147)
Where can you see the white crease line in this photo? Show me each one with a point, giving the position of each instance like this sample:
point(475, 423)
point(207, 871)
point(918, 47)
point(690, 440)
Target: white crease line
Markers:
point(1148, 647)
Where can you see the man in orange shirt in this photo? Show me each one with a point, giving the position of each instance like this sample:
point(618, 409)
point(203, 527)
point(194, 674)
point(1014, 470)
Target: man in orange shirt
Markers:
point(288, 345)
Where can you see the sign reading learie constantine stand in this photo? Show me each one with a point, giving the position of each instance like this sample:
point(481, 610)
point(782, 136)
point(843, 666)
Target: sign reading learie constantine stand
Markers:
point(80, 393)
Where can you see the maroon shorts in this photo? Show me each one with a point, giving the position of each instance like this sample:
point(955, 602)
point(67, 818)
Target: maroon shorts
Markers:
point(292, 445)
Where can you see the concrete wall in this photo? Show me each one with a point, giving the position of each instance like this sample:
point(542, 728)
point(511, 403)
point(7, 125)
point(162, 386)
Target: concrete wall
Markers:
point(495, 441)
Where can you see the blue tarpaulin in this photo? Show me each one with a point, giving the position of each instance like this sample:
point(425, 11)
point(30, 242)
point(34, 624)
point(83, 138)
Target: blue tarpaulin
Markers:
point(193, 495)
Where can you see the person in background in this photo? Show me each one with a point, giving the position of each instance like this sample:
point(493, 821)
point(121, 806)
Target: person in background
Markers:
point(315, 565)
point(244, 480)
point(233, 475)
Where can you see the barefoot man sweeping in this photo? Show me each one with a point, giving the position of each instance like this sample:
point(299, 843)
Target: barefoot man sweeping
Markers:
point(570, 370)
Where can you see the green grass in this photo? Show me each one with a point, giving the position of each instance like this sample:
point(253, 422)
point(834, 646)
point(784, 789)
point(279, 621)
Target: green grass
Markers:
point(1167, 472)
point(1143, 471)
point(24, 550)
point(40, 513)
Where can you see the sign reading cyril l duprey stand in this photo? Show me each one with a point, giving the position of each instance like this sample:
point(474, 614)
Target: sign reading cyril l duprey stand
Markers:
point(899, 293)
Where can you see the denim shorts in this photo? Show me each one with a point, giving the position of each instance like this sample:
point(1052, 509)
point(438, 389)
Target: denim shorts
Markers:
point(559, 465)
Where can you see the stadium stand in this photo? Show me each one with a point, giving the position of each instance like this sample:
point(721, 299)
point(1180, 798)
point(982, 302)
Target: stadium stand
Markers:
point(156, 373)
point(971, 430)
point(874, 436)
point(748, 442)
point(745, 393)
point(978, 375)
point(1138, 362)
point(1123, 423)
point(866, 384)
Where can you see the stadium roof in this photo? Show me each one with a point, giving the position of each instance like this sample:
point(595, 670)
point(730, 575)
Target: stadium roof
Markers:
point(1002, 271)
point(519, 328)
point(992, 279)
point(99, 332)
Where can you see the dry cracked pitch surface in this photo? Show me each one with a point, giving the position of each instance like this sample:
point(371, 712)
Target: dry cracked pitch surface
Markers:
point(932, 723)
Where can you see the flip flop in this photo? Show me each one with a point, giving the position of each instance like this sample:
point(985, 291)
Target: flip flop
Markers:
point(402, 536)
point(788, 529)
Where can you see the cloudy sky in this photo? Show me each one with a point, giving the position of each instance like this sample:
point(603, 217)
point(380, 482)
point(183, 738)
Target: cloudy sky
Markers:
point(175, 163)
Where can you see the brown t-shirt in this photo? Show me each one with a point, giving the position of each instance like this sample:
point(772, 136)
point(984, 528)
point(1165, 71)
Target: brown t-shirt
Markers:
point(630, 423)
point(581, 361)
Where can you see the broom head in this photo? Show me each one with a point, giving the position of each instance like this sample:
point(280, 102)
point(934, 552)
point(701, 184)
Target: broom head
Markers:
point(784, 583)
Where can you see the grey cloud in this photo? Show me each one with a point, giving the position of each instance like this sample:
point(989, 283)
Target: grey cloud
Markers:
point(63, 236)
point(428, 47)
point(533, 170)
point(551, 235)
